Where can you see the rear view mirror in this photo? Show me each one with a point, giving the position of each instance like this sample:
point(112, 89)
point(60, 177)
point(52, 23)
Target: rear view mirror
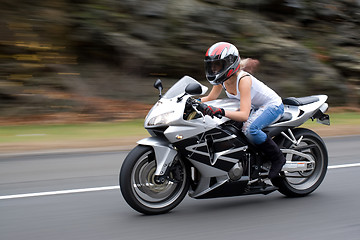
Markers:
point(158, 86)
point(193, 89)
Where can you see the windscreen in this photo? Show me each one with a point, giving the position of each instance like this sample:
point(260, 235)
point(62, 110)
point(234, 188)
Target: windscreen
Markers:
point(179, 87)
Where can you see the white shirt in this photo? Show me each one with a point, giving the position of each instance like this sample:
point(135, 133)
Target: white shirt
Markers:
point(261, 95)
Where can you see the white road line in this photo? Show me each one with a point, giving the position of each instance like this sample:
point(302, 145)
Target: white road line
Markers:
point(26, 195)
point(344, 166)
point(96, 189)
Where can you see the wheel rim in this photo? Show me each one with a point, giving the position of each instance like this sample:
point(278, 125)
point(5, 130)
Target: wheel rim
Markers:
point(147, 191)
point(306, 179)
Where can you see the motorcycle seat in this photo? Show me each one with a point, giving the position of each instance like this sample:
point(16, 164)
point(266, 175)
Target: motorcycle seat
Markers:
point(285, 117)
point(300, 101)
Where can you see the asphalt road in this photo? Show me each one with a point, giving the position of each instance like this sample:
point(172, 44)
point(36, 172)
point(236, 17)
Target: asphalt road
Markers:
point(74, 196)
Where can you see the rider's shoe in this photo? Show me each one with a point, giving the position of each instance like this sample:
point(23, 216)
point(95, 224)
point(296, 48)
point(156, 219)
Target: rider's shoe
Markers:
point(261, 186)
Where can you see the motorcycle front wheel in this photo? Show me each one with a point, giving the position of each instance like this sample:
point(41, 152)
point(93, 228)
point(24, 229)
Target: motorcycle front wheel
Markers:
point(302, 183)
point(142, 192)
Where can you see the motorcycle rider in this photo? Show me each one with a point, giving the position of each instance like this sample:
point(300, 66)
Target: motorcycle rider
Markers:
point(259, 105)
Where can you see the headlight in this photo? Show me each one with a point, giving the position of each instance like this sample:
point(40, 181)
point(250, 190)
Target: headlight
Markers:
point(161, 119)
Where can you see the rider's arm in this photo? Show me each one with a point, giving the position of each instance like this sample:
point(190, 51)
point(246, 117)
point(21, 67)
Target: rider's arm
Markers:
point(214, 94)
point(245, 101)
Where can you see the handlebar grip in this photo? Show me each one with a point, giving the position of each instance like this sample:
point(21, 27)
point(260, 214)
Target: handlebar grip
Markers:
point(218, 116)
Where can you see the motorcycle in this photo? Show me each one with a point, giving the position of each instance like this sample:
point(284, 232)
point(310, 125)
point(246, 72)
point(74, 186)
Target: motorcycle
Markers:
point(206, 157)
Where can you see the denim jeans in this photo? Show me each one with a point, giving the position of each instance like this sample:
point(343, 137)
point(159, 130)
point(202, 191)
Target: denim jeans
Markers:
point(259, 119)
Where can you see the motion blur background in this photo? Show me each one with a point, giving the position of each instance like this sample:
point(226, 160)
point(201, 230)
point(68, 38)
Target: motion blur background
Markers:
point(96, 60)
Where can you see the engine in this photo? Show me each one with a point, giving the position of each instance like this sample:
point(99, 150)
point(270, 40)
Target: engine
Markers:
point(236, 172)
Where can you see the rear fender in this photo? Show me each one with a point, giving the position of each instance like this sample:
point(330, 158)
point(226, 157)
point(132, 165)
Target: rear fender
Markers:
point(164, 153)
point(300, 114)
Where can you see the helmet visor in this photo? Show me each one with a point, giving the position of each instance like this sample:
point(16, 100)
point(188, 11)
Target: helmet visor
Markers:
point(214, 67)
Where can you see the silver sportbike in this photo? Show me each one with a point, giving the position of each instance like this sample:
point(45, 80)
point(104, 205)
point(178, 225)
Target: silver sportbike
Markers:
point(210, 157)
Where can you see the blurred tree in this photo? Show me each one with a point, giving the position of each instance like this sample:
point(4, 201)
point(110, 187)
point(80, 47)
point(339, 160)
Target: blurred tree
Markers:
point(59, 56)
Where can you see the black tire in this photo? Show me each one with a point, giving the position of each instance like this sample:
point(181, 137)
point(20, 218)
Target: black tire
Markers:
point(299, 184)
point(139, 189)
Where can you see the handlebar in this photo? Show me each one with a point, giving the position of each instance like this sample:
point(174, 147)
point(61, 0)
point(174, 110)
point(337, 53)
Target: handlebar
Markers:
point(199, 107)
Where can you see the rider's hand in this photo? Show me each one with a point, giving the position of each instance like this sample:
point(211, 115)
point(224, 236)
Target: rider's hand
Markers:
point(211, 110)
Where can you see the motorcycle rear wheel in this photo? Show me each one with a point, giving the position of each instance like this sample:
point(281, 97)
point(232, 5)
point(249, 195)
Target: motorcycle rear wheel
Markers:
point(299, 184)
point(139, 188)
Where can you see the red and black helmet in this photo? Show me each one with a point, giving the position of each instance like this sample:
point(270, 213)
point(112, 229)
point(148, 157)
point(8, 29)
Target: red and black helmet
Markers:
point(222, 60)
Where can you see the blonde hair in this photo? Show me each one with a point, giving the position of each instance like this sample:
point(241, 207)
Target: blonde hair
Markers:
point(249, 65)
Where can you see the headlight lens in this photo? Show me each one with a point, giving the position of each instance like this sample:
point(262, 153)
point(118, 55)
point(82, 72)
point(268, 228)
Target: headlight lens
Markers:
point(161, 119)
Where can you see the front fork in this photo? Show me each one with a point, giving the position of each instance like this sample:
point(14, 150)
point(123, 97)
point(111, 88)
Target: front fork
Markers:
point(164, 155)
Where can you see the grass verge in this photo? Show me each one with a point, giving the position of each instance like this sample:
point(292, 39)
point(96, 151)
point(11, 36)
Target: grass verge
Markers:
point(70, 132)
point(88, 135)
point(346, 118)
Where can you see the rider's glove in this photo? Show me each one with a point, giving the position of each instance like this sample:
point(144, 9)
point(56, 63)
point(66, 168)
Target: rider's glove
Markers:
point(211, 110)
